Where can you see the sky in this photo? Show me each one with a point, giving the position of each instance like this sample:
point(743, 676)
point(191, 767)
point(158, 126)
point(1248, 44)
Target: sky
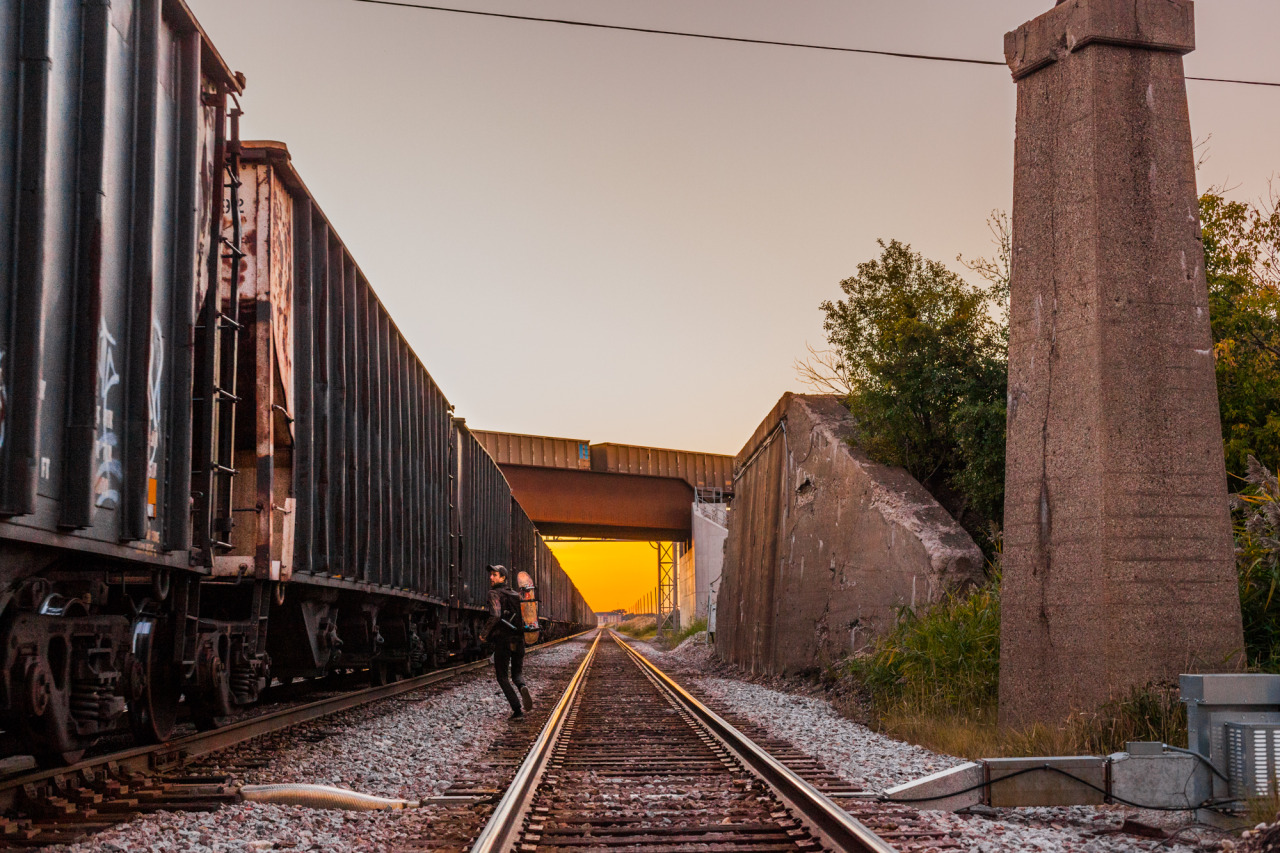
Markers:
point(624, 237)
point(610, 575)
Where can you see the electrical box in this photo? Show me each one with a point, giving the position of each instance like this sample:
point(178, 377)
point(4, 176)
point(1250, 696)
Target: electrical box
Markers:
point(1216, 701)
point(1251, 758)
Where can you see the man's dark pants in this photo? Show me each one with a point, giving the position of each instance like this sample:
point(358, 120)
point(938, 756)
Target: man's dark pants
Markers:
point(509, 653)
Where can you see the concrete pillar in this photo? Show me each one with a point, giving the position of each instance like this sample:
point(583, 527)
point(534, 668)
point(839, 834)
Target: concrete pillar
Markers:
point(1118, 563)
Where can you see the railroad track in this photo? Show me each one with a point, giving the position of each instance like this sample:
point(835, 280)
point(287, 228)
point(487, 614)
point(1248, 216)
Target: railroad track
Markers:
point(65, 804)
point(629, 759)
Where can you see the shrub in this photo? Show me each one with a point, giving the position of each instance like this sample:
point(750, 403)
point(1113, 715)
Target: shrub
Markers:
point(934, 680)
point(945, 661)
point(686, 632)
point(925, 366)
point(1256, 511)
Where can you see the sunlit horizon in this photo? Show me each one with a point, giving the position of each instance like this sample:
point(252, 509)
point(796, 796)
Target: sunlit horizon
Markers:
point(610, 575)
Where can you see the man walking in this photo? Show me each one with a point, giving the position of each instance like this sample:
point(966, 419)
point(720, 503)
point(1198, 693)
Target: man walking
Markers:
point(504, 631)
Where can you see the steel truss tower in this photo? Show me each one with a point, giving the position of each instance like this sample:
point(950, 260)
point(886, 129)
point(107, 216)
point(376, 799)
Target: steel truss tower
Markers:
point(668, 554)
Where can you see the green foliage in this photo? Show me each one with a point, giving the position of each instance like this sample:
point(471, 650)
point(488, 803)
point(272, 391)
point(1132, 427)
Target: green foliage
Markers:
point(946, 659)
point(1242, 264)
point(1257, 517)
point(926, 366)
point(686, 632)
point(934, 679)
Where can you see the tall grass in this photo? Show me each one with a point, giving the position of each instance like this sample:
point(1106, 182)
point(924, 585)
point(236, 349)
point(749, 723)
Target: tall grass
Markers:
point(934, 680)
point(686, 632)
point(945, 659)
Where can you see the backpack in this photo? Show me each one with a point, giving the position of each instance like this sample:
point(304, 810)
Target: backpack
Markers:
point(509, 601)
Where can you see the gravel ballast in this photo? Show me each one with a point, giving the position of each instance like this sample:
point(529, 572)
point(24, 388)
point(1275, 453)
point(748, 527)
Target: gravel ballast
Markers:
point(420, 746)
point(874, 762)
point(413, 751)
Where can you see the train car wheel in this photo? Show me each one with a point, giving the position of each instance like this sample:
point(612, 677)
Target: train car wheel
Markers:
point(54, 744)
point(211, 707)
point(154, 684)
point(214, 711)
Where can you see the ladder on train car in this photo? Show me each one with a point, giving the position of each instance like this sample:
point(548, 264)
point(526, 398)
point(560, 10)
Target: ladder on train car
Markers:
point(217, 344)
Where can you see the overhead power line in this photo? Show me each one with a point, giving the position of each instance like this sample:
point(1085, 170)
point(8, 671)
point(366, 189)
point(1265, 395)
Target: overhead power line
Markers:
point(705, 36)
point(1240, 82)
point(741, 40)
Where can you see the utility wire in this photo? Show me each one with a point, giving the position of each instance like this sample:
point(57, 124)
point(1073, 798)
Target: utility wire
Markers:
point(739, 39)
point(1240, 82)
point(706, 36)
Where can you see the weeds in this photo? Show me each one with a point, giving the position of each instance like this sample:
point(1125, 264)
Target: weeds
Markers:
point(934, 680)
point(639, 627)
point(944, 661)
point(686, 632)
point(1264, 809)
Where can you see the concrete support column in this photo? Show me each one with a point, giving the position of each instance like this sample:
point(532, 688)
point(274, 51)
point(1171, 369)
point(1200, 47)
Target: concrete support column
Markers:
point(1119, 566)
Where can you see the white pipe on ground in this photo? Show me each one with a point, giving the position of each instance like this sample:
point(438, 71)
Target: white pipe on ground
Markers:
point(322, 797)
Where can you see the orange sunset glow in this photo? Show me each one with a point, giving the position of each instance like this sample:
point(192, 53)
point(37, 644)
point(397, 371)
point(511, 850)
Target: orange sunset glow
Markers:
point(610, 575)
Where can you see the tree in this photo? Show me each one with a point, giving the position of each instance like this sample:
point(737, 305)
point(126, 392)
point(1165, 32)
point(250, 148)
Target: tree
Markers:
point(1242, 265)
point(925, 363)
point(824, 372)
point(997, 271)
point(1257, 521)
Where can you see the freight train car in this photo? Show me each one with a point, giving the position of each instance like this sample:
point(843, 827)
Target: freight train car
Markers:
point(372, 512)
point(220, 462)
point(350, 500)
point(530, 553)
point(117, 126)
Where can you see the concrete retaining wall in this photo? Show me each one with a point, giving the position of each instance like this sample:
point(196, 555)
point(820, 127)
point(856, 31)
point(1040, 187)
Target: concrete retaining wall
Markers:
point(824, 544)
point(701, 564)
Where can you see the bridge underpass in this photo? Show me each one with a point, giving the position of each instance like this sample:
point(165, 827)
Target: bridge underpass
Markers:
point(574, 489)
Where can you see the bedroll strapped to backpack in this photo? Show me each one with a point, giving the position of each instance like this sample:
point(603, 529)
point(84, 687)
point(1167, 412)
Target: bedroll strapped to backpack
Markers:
point(528, 606)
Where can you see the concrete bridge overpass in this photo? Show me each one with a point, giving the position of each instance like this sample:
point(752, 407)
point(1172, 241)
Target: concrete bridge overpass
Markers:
point(571, 487)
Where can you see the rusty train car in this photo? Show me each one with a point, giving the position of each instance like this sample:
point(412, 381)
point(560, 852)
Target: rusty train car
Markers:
point(221, 464)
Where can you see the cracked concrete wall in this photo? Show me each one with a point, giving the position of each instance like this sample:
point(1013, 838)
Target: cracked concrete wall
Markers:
point(824, 544)
point(1118, 563)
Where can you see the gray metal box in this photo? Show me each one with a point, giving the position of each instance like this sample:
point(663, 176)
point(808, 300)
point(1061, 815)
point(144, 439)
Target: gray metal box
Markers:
point(1251, 758)
point(1214, 700)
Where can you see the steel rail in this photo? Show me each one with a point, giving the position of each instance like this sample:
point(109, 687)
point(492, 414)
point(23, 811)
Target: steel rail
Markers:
point(824, 818)
point(502, 831)
point(161, 755)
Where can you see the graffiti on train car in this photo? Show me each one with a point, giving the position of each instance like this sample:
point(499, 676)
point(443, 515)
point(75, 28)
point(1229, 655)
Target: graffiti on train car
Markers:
point(281, 248)
point(155, 413)
point(394, 506)
point(106, 492)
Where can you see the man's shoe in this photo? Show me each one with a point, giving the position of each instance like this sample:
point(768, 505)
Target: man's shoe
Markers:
point(516, 715)
point(526, 698)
